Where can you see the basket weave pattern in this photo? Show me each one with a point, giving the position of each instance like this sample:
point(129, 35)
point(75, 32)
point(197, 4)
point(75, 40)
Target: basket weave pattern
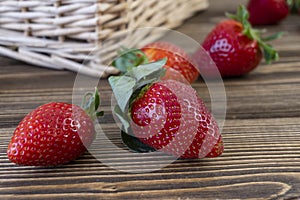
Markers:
point(60, 34)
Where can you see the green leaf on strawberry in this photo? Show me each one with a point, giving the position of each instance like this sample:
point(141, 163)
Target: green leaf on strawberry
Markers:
point(135, 78)
point(129, 58)
point(242, 16)
point(90, 104)
point(124, 86)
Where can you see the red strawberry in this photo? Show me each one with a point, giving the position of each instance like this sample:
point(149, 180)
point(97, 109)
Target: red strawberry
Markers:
point(53, 134)
point(166, 115)
point(264, 12)
point(179, 65)
point(171, 117)
point(235, 47)
point(178, 59)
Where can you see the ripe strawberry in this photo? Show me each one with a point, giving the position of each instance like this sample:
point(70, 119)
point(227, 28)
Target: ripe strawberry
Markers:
point(235, 47)
point(171, 117)
point(265, 12)
point(166, 115)
point(178, 60)
point(53, 134)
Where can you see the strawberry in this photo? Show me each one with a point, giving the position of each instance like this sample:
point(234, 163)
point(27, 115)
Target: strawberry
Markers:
point(169, 115)
point(265, 12)
point(179, 65)
point(178, 59)
point(235, 47)
point(53, 134)
point(166, 115)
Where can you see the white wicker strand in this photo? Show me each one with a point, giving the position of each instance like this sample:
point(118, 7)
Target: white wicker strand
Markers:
point(91, 9)
point(8, 9)
point(24, 4)
point(79, 68)
point(62, 31)
point(72, 19)
point(39, 58)
point(25, 58)
point(32, 27)
point(5, 20)
point(69, 8)
point(88, 36)
point(25, 15)
point(84, 1)
point(82, 9)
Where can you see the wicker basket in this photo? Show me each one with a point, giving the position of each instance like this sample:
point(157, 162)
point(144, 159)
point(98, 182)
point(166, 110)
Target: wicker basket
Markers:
point(61, 34)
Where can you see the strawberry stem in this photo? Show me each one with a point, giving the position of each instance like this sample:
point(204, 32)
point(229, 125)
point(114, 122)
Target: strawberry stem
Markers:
point(90, 104)
point(242, 16)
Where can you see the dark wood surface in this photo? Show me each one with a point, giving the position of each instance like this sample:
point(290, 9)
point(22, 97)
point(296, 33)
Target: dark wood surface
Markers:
point(261, 134)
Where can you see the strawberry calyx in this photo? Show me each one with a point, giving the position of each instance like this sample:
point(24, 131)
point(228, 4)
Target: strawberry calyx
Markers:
point(126, 87)
point(90, 104)
point(242, 16)
point(290, 2)
point(294, 6)
point(129, 58)
point(135, 144)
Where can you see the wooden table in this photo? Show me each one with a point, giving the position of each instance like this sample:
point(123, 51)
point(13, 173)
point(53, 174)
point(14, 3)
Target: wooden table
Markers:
point(261, 134)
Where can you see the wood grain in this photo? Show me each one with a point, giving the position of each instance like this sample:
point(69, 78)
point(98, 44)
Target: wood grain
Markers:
point(261, 135)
